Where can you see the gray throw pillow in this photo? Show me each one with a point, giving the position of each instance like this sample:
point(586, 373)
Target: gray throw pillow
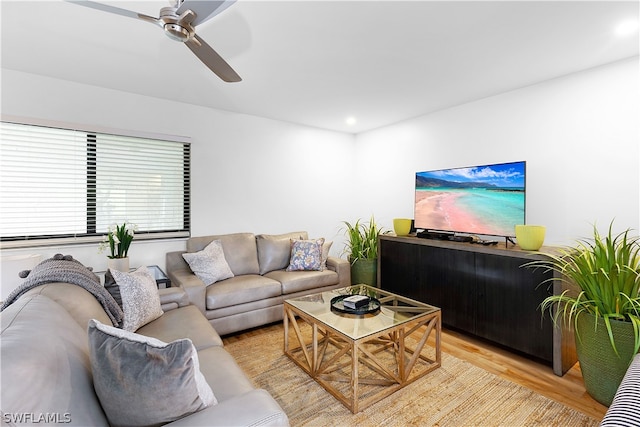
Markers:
point(142, 381)
point(112, 287)
point(140, 297)
point(209, 264)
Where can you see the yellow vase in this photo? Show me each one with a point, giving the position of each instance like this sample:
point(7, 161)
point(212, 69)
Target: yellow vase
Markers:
point(401, 226)
point(530, 237)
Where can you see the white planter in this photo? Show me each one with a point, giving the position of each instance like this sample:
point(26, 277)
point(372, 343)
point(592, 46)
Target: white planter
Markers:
point(120, 264)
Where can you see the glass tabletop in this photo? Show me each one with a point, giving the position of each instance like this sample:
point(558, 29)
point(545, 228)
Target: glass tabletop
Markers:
point(157, 272)
point(394, 310)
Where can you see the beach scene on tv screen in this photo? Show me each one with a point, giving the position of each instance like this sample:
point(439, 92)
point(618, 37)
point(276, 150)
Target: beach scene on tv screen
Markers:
point(487, 200)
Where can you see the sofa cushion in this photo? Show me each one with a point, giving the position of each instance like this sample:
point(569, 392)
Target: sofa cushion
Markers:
point(241, 289)
point(326, 247)
point(273, 254)
point(183, 322)
point(45, 365)
point(209, 264)
point(243, 309)
point(240, 250)
point(140, 298)
point(306, 255)
point(220, 370)
point(296, 281)
point(253, 408)
point(142, 381)
point(77, 301)
point(274, 250)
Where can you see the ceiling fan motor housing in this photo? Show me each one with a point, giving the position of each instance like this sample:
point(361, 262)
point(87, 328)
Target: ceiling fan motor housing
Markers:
point(177, 27)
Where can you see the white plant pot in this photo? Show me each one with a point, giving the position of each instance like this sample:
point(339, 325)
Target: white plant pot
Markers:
point(120, 264)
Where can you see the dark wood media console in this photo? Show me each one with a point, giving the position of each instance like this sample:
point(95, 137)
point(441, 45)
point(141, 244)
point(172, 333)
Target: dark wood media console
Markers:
point(482, 290)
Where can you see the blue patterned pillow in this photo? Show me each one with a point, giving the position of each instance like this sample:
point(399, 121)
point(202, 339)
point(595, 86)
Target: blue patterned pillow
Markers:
point(306, 255)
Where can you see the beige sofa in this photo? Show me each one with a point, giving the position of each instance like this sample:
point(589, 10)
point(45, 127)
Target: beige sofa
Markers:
point(255, 295)
point(47, 376)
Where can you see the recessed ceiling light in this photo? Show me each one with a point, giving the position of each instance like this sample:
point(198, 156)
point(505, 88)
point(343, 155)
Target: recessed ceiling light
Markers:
point(350, 121)
point(627, 28)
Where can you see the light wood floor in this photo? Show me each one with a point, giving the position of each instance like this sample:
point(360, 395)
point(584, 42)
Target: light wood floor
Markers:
point(568, 389)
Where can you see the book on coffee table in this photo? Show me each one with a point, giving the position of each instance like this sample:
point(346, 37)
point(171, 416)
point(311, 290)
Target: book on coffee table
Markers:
point(355, 301)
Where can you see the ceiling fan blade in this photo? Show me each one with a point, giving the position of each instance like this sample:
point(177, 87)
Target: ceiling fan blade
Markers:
point(204, 10)
point(112, 9)
point(212, 60)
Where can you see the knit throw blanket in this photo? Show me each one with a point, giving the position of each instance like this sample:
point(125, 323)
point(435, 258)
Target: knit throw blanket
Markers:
point(65, 269)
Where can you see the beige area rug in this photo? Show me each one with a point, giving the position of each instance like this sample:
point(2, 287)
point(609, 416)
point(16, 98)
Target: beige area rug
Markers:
point(456, 394)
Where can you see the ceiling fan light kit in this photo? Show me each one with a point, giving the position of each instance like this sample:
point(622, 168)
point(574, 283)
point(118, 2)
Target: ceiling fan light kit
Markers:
point(178, 23)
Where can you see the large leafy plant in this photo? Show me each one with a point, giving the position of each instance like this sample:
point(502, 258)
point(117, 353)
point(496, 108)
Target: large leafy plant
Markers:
point(607, 273)
point(362, 240)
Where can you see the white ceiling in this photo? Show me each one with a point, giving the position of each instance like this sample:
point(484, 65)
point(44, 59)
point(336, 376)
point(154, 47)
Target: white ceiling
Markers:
point(318, 62)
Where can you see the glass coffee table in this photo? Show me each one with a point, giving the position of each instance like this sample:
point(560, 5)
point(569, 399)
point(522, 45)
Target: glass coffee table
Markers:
point(361, 358)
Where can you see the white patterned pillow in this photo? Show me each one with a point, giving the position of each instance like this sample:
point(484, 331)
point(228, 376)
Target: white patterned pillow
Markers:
point(142, 381)
point(140, 298)
point(209, 264)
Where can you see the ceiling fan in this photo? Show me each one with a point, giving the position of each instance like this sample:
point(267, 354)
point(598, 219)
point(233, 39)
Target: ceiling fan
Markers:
point(178, 22)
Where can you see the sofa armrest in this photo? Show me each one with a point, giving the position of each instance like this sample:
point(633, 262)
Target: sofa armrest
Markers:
point(171, 298)
point(194, 288)
point(343, 268)
point(175, 261)
point(181, 276)
point(254, 408)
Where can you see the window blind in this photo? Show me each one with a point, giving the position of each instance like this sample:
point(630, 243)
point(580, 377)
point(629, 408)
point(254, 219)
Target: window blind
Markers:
point(69, 184)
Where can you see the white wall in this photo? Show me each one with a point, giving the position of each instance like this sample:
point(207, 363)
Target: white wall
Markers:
point(248, 173)
point(579, 135)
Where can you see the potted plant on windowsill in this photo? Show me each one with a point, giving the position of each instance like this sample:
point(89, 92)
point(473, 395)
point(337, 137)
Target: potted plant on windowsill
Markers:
point(604, 309)
point(362, 250)
point(118, 240)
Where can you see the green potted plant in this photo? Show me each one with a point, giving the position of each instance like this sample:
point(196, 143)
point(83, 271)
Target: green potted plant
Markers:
point(362, 250)
point(118, 240)
point(604, 309)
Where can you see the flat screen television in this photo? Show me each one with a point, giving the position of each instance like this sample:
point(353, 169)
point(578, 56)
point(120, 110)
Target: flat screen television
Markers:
point(486, 200)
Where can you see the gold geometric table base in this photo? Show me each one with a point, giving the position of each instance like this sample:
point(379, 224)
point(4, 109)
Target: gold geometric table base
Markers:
point(361, 372)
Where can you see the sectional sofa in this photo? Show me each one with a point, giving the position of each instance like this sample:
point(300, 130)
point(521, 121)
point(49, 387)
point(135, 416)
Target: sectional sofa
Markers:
point(253, 294)
point(50, 345)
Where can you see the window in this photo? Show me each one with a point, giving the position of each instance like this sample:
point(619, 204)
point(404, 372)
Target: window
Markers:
point(70, 184)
